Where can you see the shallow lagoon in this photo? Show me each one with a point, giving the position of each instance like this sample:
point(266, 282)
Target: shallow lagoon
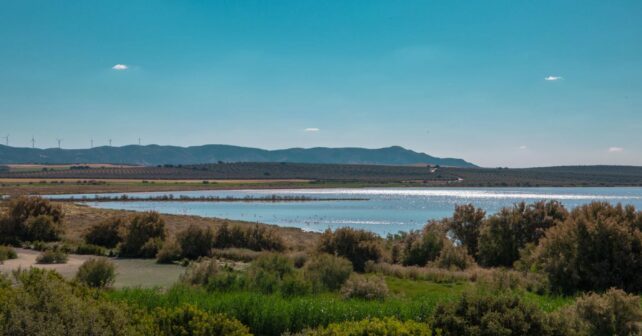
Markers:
point(387, 210)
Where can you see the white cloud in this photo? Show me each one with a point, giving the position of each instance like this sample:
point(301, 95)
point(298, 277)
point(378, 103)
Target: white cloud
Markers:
point(523, 147)
point(311, 129)
point(553, 78)
point(616, 149)
point(120, 67)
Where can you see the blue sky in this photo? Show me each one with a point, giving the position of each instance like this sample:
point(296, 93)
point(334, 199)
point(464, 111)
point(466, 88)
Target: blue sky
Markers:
point(450, 78)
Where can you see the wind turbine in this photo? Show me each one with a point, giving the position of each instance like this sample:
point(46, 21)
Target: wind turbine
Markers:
point(109, 142)
point(6, 140)
point(92, 143)
point(139, 141)
point(33, 142)
point(59, 141)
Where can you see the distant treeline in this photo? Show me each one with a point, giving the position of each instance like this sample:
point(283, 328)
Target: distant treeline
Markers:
point(184, 198)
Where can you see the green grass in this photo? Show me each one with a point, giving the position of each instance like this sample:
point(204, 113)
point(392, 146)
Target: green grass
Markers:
point(274, 314)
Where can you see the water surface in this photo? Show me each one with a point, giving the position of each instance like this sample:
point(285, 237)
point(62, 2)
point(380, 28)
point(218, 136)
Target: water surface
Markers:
point(387, 210)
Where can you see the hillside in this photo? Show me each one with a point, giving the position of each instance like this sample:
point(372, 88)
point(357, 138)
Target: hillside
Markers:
point(159, 155)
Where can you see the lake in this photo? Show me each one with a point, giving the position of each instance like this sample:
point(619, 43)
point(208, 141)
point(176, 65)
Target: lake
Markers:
point(387, 210)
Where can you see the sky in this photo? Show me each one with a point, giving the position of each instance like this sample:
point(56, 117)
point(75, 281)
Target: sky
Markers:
point(498, 83)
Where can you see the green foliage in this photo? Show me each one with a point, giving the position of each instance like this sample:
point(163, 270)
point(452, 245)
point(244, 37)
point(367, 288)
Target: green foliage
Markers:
point(255, 237)
point(144, 236)
point(465, 226)
point(612, 313)
point(29, 219)
point(599, 246)
point(195, 241)
point(191, 321)
point(358, 246)
point(89, 249)
point(327, 272)
point(267, 273)
point(504, 234)
point(170, 252)
point(367, 287)
point(52, 256)
point(98, 272)
point(477, 314)
point(384, 327)
point(107, 233)
point(42, 303)
point(7, 252)
point(454, 257)
point(419, 248)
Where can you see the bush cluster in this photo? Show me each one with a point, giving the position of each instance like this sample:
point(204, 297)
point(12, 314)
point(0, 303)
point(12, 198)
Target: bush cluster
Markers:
point(254, 237)
point(367, 287)
point(327, 272)
point(31, 219)
point(385, 327)
point(190, 320)
point(358, 246)
point(108, 233)
point(144, 236)
point(98, 273)
point(7, 252)
point(599, 246)
point(52, 256)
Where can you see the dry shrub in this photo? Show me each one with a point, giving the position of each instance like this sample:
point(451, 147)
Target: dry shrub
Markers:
point(438, 275)
point(236, 254)
point(53, 256)
point(30, 219)
point(454, 257)
point(358, 246)
point(170, 252)
point(200, 272)
point(107, 233)
point(195, 241)
point(7, 252)
point(366, 287)
point(612, 313)
point(255, 237)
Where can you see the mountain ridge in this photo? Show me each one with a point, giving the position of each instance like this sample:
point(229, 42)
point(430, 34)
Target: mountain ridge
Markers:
point(212, 153)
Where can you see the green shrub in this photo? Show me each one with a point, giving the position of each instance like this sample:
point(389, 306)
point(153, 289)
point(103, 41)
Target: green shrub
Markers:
point(169, 253)
point(7, 252)
point(327, 272)
point(53, 256)
point(419, 248)
point(599, 246)
point(195, 242)
point(477, 314)
point(295, 285)
point(42, 303)
point(107, 233)
point(454, 257)
point(465, 226)
point(267, 272)
point(611, 313)
point(384, 327)
point(255, 237)
point(89, 249)
point(189, 320)
point(43, 228)
point(358, 246)
point(366, 287)
point(504, 234)
point(199, 273)
point(438, 275)
point(99, 272)
point(144, 236)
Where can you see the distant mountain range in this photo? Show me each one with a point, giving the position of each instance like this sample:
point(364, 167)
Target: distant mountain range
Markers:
point(157, 155)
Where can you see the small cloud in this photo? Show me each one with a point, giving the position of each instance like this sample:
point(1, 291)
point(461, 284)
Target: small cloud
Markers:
point(120, 67)
point(553, 78)
point(523, 147)
point(616, 149)
point(311, 129)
